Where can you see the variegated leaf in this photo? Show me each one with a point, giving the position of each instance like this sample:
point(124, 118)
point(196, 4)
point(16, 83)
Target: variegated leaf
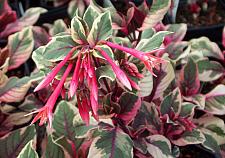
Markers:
point(209, 70)
point(171, 103)
point(215, 100)
point(190, 137)
point(53, 150)
point(164, 79)
point(101, 29)
point(159, 146)
point(58, 27)
point(189, 80)
point(147, 45)
point(79, 30)
point(90, 15)
point(113, 143)
point(28, 151)
point(157, 11)
point(206, 47)
point(20, 46)
point(213, 126)
point(12, 143)
point(179, 31)
point(130, 104)
point(14, 89)
point(146, 84)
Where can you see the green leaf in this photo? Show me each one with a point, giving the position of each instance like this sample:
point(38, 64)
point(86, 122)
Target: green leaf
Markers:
point(147, 45)
point(78, 30)
point(146, 84)
point(213, 126)
point(101, 29)
point(20, 46)
point(90, 15)
point(14, 89)
point(159, 146)
point(105, 72)
point(215, 100)
point(211, 144)
point(209, 70)
point(189, 80)
point(12, 143)
point(28, 151)
point(157, 11)
point(165, 77)
point(206, 47)
point(171, 103)
point(54, 51)
point(113, 143)
point(53, 150)
point(190, 137)
point(58, 27)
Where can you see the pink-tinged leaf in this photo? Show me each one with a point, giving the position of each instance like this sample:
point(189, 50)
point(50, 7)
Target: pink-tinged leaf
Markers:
point(179, 31)
point(129, 104)
point(189, 80)
point(6, 18)
point(14, 89)
point(20, 46)
point(29, 18)
point(4, 59)
point(41, 37)
point(190, 137)
point(12, 143)
point(223, 36)
point(165, 76)
point(157, 11)
point(6, 14)
point(215, 100)
point(147, 118)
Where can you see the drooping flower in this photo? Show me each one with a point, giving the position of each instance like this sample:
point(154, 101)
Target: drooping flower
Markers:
point(148, 59)
point(45, 113)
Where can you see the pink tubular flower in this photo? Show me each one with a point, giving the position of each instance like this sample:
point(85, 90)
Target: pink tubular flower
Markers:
point(119, 73)
point(48, 79)
point(149, 60)
point(45, 113)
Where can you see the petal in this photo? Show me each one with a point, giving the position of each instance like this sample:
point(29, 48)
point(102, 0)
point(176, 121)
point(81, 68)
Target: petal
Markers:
point(75, 78)
point(48, 79)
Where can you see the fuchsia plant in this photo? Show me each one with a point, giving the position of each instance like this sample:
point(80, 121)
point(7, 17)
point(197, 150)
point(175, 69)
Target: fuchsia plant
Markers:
point(84, 78)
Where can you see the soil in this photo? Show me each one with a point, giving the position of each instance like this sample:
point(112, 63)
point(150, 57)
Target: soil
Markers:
point(215, 14)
